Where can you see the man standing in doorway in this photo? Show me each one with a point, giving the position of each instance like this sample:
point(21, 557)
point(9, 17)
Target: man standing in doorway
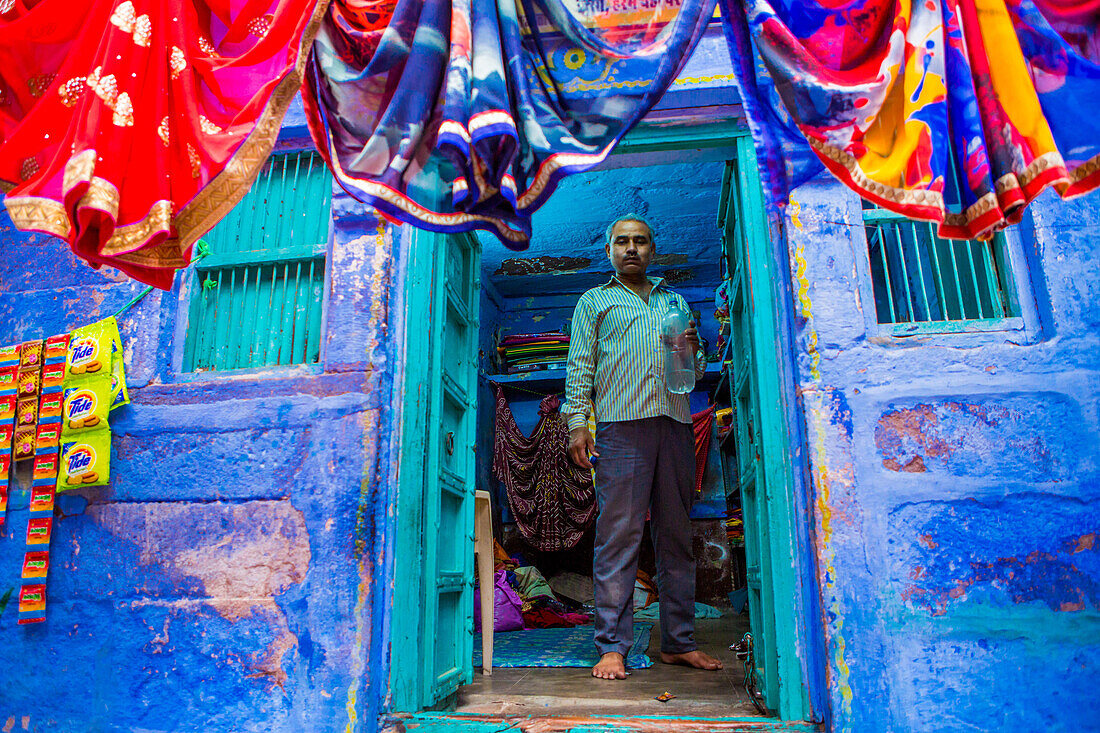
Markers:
point(646, 458)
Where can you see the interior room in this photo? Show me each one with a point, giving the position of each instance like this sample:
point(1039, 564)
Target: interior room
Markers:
point(544, 530)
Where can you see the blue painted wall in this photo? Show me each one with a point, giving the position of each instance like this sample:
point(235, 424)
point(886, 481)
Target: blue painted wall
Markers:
point(956, 485)
point(221, 582)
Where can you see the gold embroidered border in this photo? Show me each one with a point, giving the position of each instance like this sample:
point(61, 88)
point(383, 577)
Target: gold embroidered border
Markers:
point(1041, 165)
point(210, 204)
point(131, 237)
point(979, 208)
point(38, 214)
point(101, 195)
point(1086, 169)
point(900, 196)
point(78, 169)
point(166, 255)
point(542, 178)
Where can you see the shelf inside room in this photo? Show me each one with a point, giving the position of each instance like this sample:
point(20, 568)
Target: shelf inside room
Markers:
point(555, 378)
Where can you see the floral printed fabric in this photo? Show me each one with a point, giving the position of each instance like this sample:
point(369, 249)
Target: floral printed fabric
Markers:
point(464, 114)
point(953, 111)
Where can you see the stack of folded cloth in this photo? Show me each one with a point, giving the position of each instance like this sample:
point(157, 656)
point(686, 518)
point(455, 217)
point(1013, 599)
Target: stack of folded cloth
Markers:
point(531, 351)
point(735, 528)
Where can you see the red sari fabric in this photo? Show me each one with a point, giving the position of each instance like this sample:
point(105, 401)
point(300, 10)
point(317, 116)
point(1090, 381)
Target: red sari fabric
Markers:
point(128, 128)
point(701, 424)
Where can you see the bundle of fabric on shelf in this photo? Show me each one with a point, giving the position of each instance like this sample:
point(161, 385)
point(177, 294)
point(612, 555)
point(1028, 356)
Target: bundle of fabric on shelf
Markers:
point(533, 351)
point(735, 528)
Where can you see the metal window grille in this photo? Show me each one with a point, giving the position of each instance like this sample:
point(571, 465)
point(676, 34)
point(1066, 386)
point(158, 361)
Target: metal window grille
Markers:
point(920, 278)
point(258, 294)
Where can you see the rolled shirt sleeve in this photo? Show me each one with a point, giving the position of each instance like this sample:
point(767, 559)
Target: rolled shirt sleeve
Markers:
point(700, 364)
point(580, 369)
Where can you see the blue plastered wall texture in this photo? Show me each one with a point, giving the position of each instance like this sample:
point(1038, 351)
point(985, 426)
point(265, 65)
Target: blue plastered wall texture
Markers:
point(222, 581)
point(956, 484)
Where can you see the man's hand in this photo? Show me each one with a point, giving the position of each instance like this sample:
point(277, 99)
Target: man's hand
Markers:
point(581, 446)
point(692, 336)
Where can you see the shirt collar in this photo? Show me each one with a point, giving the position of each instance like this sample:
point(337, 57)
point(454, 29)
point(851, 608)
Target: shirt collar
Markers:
point(655, 282)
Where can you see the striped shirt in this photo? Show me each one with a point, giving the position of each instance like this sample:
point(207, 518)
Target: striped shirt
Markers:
point(616, 356)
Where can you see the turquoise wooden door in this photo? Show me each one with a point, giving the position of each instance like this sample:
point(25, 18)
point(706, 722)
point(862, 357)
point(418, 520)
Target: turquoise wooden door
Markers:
point(433, 583)
point(447, 632)
point(749, 476)
point(763, 451)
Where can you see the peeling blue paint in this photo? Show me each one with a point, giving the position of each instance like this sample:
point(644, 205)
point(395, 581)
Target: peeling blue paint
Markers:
point(960, 476)
point(998, 553)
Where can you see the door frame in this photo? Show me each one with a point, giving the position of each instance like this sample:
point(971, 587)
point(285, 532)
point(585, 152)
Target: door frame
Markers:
point(424, 295)
point(801, 653)
point(800, 641)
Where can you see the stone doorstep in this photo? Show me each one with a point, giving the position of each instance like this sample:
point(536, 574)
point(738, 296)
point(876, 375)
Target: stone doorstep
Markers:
point(488, 723)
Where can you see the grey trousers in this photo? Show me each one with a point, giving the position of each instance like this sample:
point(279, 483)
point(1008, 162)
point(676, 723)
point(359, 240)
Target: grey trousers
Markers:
point(644, 464)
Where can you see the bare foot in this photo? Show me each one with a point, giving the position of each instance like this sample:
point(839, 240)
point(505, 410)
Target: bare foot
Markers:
point(610, 667)
point(696, 659)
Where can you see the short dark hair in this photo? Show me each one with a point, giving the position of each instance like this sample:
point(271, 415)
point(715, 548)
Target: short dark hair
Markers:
point(631, 217)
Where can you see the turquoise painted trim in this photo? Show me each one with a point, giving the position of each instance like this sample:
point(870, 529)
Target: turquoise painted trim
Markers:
point(437, 297)
point(406, 689)
point(649, 137)
point(873, 216)
point(267, 257)
point(770, 362)
point(931, 328)
point(459, 723)
point(428, 605)
point(266, 268)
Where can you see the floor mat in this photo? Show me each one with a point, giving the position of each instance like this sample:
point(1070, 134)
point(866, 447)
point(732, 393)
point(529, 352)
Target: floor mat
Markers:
point(558, 648)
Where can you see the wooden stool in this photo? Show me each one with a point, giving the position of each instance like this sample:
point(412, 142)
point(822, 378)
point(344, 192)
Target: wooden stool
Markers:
point(483, 550)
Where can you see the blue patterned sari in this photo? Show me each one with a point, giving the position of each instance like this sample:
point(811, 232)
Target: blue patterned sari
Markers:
point(465, 114)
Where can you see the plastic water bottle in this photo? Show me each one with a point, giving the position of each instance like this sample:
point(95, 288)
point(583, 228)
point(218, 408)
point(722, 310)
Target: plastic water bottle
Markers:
point(679, 356)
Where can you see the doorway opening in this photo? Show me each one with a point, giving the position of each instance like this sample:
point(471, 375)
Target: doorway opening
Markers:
point(505, 318)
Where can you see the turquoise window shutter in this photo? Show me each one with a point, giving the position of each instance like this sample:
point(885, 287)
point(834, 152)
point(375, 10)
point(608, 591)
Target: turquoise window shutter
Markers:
point(919, 278)
point(258, 295)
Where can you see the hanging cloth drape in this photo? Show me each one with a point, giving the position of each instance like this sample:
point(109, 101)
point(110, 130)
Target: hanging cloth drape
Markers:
point(464, 114)
point(553, 499)
point(702, 423)
point(129, 127)
point(953, 111)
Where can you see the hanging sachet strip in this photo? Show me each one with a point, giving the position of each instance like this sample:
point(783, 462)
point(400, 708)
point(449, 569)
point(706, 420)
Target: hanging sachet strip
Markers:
point(958, 112)
point(44, 471)
point(128, 128)
point(465, 114)
point(32, 594)
point(28, 386)
point(9, 398)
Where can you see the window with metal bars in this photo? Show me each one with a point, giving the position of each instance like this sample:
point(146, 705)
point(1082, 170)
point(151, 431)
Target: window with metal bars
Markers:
point(923, 283)
point(258, 295)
